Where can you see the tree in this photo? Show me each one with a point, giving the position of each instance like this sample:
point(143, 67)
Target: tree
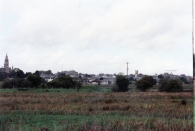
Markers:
point(26, 74)
point(63, 81)
point(37, 73)
point(6, 84)
point(48, 72)
point(16, 83)
point(154, 81)
point(144, 83)
point(122, 82)
point(3, 76)
point(34, 80)
point(20, 74)
point(77, 83)
point(160, 77)
point(170, 85)
point(12, 74)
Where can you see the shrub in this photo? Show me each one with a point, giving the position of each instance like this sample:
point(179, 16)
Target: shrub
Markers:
point(169, 85)
point(17, 83)
point(114, 107)
point(104, 108)
point(183, 102)
point(144, 83)
point(43, 86)
point(90, 109)
point(122, 82)
point(108, 101)
point(34, 80)
point(7, 84)
point(65, 82)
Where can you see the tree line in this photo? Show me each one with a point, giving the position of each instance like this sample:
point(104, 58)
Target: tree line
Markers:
point(147, 82)
point(19, 79)
point(33, 80)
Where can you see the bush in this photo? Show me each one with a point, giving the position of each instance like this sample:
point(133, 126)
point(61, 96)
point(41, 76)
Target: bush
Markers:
point(169, 85)
point(122, 82)
point(65, 82)
point(7, 84)
point(183, 102)
point(145, 83)
point(16, 83)
point(34, 80)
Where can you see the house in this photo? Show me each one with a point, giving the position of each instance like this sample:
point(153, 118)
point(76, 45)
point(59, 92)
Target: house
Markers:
point(95, 81)
point(49, 80)
point(47, 77)
point(156, 78)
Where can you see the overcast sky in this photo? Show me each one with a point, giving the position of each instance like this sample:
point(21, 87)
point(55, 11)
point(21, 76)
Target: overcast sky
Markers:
point(97, 36)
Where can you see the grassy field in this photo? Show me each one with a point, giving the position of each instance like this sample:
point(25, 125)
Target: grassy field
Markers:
point(93, 109)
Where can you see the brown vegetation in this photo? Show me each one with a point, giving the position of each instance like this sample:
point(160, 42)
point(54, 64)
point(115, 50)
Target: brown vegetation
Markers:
point(142, 105)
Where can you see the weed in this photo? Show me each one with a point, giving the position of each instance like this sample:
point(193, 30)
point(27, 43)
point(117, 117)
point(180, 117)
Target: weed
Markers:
point(101, 111)
point(108, 101)
point(90, 109)
point(183, 102)
point(114, 107)
point(105, 108)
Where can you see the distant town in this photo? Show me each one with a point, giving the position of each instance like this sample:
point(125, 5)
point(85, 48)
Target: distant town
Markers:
point(104, 79)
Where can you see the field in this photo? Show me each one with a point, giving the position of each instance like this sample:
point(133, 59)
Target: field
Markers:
point(95, 108)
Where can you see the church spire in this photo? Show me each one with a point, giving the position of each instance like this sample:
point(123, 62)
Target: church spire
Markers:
point(6, 57)
point(6, 64)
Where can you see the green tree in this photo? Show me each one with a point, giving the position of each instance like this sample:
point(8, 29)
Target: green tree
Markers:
point(122, 82)
point(77, 83)
point(3, 76)
point(37, 73)
point(160, 77)
point(6, 84)
point(154, 81)
point(20, 74)
point(144, 83)
point(26, 74)
point(34, 80)
point(48, 72)
point(62, 81)
point(16, 83)
point(170, 85)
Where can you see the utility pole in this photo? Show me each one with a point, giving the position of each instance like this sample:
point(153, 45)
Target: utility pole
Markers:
point(127, 69)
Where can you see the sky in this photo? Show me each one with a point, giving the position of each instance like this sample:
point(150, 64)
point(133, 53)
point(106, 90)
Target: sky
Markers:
point(97, 36)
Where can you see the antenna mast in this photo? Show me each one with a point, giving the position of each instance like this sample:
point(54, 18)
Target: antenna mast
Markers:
point(127, 69)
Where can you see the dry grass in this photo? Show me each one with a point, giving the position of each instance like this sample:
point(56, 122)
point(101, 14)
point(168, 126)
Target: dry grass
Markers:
point(151, 110)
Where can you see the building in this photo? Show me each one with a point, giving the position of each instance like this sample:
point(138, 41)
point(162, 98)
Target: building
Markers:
point(6, 68)
point(71, 73)
point(136, 73)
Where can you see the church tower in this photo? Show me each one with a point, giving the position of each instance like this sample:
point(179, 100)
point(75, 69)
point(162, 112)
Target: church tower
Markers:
point(6, 64)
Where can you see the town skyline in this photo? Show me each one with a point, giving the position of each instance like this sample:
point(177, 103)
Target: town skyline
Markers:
point(8, 68)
